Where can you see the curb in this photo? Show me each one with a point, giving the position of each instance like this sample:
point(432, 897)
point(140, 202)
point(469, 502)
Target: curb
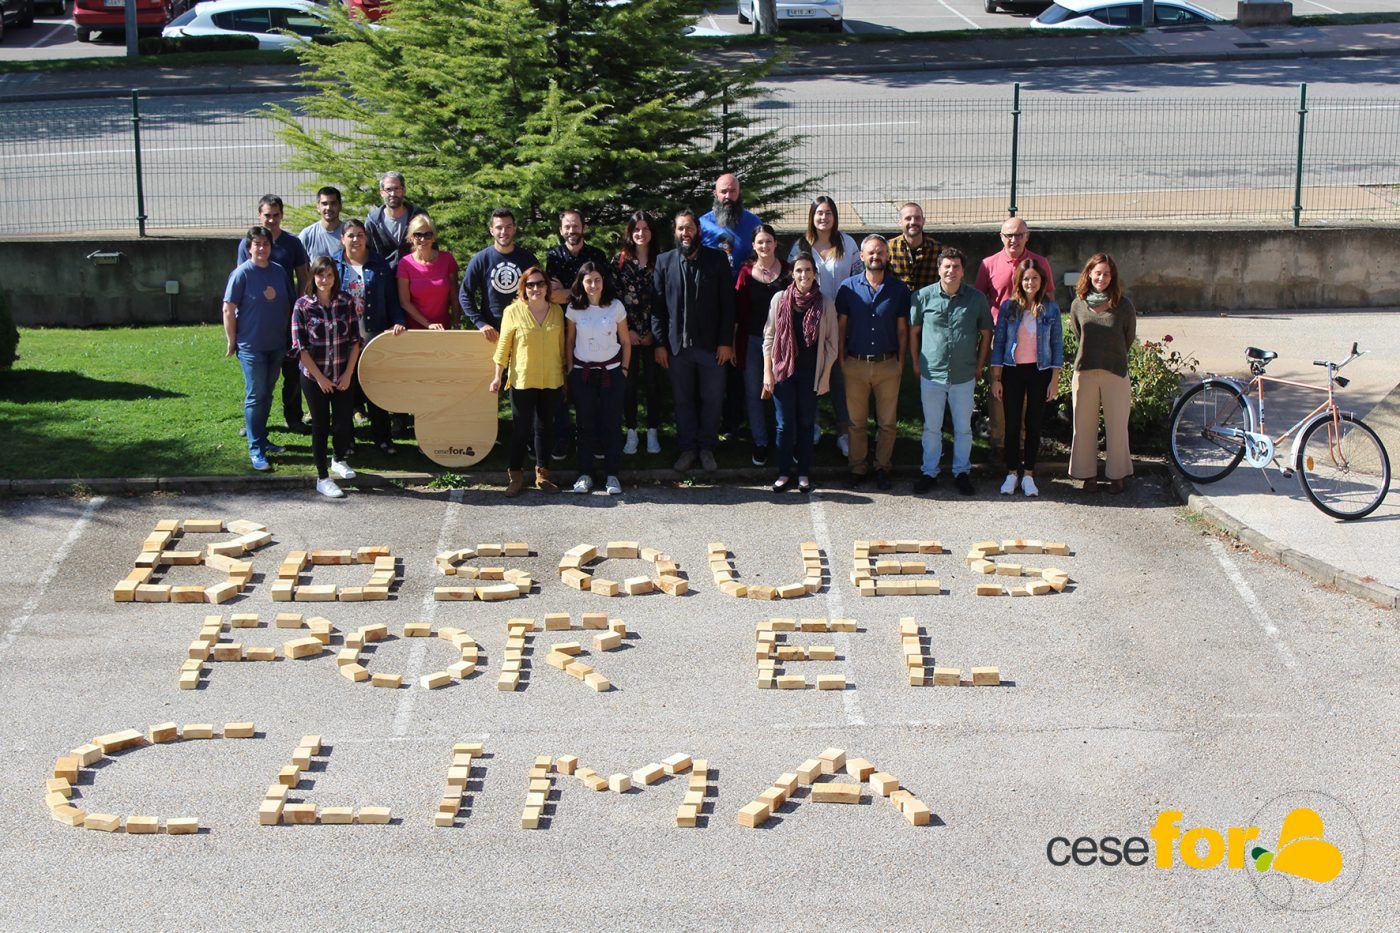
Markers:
point(1386, 597)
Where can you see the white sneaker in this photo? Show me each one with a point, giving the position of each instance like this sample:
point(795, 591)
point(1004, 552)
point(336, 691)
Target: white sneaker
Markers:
point(342, 469)
point(583, 484)
point(630, 447)
point(653, 442)
point(329, 489)
point(613, 487)
point(1028, 485)
point(1008, 485)
point(843, 444)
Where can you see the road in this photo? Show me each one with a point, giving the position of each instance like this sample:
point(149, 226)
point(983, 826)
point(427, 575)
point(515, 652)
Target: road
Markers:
point(1176, 673)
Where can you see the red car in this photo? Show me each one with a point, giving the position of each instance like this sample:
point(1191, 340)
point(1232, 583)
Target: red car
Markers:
point(370, 10)
point(94, 16)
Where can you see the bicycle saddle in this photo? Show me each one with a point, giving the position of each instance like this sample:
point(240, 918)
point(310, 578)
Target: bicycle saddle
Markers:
point(1263, 356)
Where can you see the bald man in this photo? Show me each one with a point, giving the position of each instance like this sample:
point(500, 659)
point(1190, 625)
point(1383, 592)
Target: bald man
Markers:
point(729, 228)
point(994, 279)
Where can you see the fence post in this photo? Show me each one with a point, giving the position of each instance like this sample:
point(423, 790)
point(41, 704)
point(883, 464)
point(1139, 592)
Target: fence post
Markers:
point(136, 142)
point(724, 130)
point(1298, 173)
point(1015, 142)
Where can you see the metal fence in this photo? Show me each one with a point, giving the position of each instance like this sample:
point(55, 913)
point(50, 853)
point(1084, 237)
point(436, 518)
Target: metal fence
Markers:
point(168, 164)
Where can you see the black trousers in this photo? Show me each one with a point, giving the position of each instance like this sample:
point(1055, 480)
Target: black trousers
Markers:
point(599, 410)
point(378, 417)
point(1023, 389)
point(532, 415)
point(646, 375)
point(332, 416)
point(291, 393)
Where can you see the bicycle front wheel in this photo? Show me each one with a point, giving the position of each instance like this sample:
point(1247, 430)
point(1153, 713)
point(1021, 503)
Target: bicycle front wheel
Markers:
point(1343, 467)
point(1208, 428)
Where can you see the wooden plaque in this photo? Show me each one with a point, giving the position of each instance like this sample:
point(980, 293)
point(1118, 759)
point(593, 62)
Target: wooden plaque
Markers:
point(443, 379)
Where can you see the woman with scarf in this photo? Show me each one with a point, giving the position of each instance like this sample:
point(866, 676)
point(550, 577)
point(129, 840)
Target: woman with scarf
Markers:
point(1105, 322)
point(597, 356)
point(800, 344)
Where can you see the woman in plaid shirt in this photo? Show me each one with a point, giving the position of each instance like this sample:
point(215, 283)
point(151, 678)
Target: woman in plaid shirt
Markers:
point(326, 337)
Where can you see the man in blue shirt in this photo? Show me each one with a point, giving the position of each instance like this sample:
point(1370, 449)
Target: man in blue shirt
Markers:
point(492, 279)
point(873, 310)
point(290, 255)
point(728, 227)
point(257, 319)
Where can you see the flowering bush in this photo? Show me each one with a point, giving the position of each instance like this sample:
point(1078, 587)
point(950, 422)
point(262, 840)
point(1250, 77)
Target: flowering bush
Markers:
point(1156, 371)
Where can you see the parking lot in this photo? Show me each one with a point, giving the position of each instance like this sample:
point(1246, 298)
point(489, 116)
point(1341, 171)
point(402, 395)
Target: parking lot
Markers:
point(1175, 672)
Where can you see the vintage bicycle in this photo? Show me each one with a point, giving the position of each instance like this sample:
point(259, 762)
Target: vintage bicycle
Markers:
point(1340, 463)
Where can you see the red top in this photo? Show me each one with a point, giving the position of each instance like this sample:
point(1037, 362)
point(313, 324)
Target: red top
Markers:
point(994, 277)
point(430, 287)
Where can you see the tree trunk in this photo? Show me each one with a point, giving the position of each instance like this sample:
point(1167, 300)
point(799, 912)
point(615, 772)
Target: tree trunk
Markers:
point(765, 17)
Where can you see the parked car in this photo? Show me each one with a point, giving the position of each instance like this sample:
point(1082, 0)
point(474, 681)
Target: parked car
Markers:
point(823, 14)
point(1116, 14)
point(93, 16)
point(261, 18)
point(15, 14)
point(1016, 6)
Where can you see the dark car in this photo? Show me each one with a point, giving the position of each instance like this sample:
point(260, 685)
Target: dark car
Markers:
point(15, 14)
point(1028, 7)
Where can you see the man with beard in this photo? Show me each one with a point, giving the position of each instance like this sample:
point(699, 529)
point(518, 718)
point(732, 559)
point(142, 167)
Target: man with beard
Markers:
point(729, 228)
point(873, 310)
point(561, 264)
point(913, 254)
point(492, 279)
point(693, 322)
point(323, 237)
point(387, 225)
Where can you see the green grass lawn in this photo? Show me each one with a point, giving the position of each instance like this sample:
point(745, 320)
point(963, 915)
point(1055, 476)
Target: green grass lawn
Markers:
point(165, 401)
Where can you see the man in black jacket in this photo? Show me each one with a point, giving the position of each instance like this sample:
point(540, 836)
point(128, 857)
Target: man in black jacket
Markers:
point(693, 323)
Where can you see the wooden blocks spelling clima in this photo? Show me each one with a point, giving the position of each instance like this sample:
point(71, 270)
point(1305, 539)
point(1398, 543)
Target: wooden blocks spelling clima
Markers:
point(867, 567)
point(156, 552)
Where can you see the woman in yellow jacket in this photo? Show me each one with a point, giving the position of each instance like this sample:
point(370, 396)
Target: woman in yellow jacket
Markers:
point(531, 349)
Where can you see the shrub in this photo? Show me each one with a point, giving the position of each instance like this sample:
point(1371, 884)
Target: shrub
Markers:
point(1155, 372)
point(160, 45)
point(9, 335)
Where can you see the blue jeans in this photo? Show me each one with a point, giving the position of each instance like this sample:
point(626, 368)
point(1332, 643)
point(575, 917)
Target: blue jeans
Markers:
point(958, 398)
point(697, 380)
point(260, 371)
point(795, 400)
point(753, 391)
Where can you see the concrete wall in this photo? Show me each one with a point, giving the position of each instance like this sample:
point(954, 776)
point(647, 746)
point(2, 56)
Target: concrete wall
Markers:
point(52, 283)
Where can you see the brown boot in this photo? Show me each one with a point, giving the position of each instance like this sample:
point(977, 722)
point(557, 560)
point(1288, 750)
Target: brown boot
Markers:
point(515, 483)
point(542, 481)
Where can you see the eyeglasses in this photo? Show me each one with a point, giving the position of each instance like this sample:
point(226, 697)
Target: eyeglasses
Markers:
point(1013, 236)
point(535, 283)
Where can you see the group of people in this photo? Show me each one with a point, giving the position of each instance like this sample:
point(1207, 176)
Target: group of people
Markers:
point(720, 315)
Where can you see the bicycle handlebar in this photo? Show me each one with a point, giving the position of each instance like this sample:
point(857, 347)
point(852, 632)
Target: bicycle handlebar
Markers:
point(1355, 352)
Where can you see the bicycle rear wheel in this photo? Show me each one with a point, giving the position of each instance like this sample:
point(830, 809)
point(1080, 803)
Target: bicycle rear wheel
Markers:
point(1343, 467)
point(1208, 426)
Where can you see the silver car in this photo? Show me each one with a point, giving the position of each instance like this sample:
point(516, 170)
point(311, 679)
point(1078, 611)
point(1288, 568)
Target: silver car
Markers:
point(823, 14)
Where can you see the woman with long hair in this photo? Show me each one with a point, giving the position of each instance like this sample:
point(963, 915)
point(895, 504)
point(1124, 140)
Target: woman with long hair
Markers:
point(636, 261)
point(326, 338)
point(800, 345)
point(760, 278)
point(597, 356)
point(837, 258)
point(1105, 322)
point(531, 349)
point(1027, 353)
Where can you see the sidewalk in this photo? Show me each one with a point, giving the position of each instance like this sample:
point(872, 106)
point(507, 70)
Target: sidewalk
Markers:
point(1217, 43)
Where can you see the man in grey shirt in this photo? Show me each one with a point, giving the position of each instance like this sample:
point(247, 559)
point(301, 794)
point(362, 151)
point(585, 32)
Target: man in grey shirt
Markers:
point(323, 237)
point(387, 225)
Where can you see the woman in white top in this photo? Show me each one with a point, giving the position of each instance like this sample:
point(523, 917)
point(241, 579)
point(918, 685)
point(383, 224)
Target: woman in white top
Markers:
point(837, 258)
point(598, 356)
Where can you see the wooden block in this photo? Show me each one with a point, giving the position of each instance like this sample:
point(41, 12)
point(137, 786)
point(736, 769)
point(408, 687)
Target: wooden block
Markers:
point(336, 815)
point(228, 651)
point(734, 589)
point(260, 653)
point(882, 783)
point(68, 815)
point(623, 549)
point(298, 814)
point(152, 593)
point(821, 653)
point(314, 594)
point(461, 670)
point(1018, 591)
point(203, 526)
point(763, 592)
point(355, 673)
point(810, 769)
point(219, 593)
point(117, 741)
point(374, 816)
point(199, 650)
point(867, 588)
point(270, 812)
point(182, 825)
point(773, 796)
point(833, 760)
point(556, 622)
point(197, 730)
point(102, 822)
point(637, 586)
point(831, 682)
point(578, 669)
point(597, 682)
point(565, 764)
point(836, 793)
point(435, 680)
point(986, 677)
point(754, 814)
point(508, 681)
point(859, 768)
point(594, 620)
point(792, 591)
point(619, 783)
point(791, 682)
point(60, 786)
point(142, 825)
point(648, 775)
point(387, 681)
point(606, 587)
point(239, 730)
point(164, 732)
point(947, 676)
point(687, 816)
point(1057, 548)
point(678, 763)
point(916, 812)
point(302, 648)
point(189, 680)
point(989, 589)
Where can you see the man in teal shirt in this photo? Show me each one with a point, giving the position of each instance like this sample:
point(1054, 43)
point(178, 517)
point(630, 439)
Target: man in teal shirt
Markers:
point(951, 325)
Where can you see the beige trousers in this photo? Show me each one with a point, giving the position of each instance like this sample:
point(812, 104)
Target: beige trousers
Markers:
point(1094, 388)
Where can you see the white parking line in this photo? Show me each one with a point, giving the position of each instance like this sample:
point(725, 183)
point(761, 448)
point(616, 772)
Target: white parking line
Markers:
point(1322, 6)
point(403, 716)
point(944, 3)
point(31, 605)
point(1251, 602)
point(835, 609)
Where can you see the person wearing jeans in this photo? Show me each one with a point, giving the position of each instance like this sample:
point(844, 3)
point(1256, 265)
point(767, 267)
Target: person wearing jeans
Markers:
point(693, 322)
point(597, 355)
point(951, 326)
point(761, 277)
point(1027, 353)
point(257, 311)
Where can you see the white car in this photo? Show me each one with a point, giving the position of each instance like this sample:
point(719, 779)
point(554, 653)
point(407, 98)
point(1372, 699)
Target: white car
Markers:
point(827, 14)
point(1120, 14)
point(260, 18)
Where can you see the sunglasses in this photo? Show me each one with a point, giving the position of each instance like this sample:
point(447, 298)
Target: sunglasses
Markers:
point(535, 283)
point(422, 236)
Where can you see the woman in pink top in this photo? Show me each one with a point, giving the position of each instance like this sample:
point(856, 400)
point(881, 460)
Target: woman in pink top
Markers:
point(1027, 353)
point(428, 280)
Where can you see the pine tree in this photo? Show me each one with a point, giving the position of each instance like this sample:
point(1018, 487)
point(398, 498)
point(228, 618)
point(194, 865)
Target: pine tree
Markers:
point(537, 105)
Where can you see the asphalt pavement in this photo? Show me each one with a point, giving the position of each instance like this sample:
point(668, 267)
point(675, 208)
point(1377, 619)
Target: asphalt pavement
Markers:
point(1176, 672)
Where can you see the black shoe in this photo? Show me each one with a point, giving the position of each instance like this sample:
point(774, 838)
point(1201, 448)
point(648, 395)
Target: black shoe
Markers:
point(964, 484)
point(854, 480)
point(925, 483)
point(804, 486)
point(883, 481)
point(299, 428)
point(782, 484)
point(760, 455)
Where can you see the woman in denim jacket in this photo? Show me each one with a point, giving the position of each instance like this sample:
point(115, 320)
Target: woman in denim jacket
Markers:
point(1027, 353)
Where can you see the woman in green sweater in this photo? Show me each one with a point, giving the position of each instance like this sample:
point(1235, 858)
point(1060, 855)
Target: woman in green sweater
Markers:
point(1105, 322)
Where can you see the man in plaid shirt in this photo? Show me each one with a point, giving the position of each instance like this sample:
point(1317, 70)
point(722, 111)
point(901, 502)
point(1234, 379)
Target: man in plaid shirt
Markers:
point(913, 256)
